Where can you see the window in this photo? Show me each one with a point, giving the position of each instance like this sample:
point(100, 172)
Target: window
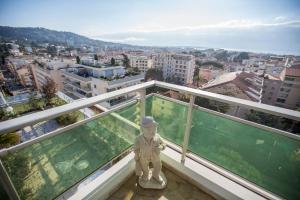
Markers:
point(283, 95)
point(280, 100)
point(289, 79)
point(287, 85)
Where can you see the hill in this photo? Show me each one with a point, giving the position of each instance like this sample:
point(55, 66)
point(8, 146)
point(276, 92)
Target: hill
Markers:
point(43, 35)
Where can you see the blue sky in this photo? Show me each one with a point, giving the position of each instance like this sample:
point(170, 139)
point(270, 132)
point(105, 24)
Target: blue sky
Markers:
point(259, 25)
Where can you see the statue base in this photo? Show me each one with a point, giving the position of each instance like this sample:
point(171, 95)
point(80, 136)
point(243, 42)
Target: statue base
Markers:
point(151, 183)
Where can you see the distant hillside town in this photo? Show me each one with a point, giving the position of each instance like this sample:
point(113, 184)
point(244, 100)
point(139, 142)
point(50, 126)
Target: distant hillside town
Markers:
point(75, 67)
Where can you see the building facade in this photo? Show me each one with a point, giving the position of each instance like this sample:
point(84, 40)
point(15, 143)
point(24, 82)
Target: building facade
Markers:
point(46, 69)
point(143, 63)
point(84, 81)
point(180, 66)
point(289, 92)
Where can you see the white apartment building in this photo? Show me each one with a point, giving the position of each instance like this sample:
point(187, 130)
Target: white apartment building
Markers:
point(22, 69)
point(85, 81)
point(176, 65)
point(43, 69)
point(143, 63)
point(283, 90)
point(289, 93)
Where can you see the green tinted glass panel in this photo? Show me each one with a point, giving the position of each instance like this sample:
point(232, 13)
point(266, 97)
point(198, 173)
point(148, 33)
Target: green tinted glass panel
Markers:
point(48, 168)
point(267, 159)
point(170, 116)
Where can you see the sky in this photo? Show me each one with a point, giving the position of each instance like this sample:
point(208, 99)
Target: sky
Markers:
point(254, 25)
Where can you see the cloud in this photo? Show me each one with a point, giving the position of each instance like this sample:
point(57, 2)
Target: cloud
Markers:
point(280, 18)
point(272, 36)
point(231, 24)
point(115, 38)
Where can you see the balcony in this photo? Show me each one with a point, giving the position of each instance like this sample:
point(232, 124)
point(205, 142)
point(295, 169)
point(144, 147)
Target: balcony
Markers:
point(78, 86)
point(76, 77)
point(225, 156)
point(126, 79)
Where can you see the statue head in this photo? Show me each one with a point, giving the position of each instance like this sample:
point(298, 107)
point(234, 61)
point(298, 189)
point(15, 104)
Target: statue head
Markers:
point(149, 127)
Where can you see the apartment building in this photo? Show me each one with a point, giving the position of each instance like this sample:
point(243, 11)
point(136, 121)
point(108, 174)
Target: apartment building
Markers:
point(22, 70)
point(85, 81)
point(180, 66)
point(289, 92)
point(49, 69)
point(271, 86)
point(143, 63)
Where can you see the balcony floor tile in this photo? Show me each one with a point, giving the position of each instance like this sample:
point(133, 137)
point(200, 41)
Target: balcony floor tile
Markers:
point(177, 189)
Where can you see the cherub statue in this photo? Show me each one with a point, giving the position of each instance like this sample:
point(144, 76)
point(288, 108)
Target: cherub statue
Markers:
point(147, 148)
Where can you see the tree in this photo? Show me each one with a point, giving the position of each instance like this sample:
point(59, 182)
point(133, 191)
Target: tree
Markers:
point(36, 103)
point(4, 115)
point(68, 118)
point(126, 61)
point(4, 52)
point(18, 166)
point(213, 63)
point(174, 80)
point(77, 60)
point(212, 105)
point(273, 121)
point(51, 49)
point(49, 89)
point(196, 71)
point(242, 56)
point(154, 74)
point(95, 57)
point(56, 101)
point(222, 55)
point(196, 76)
point(9, 139)
point(112, 62)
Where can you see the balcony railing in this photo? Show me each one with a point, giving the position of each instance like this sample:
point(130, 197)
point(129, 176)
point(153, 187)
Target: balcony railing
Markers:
point(126, 79)
point(77, 77)
point(78, 86)
point(267, 158)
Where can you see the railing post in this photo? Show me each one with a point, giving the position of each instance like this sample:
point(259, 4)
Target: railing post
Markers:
point(187, 129)
point(7, 184)
point(142, 99)
point(237, 110)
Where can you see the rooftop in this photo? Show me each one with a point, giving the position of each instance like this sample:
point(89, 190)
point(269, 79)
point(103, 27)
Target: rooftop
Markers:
point(294, 70)
point(245, 85)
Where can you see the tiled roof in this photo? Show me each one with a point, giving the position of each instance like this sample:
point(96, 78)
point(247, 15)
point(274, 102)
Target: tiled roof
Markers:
point(294, 70)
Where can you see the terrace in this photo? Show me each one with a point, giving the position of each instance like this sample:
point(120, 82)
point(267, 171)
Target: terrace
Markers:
point(217, 155)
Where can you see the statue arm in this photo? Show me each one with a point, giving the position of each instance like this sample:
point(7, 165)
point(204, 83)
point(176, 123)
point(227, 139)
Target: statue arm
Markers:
point(162, 143)
point(136, 149)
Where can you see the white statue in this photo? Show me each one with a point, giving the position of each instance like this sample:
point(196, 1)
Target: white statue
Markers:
point(147, 148)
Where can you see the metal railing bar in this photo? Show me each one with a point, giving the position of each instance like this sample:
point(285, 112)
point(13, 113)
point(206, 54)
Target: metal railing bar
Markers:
point(20, 122)
point(234, 118)
point(7, 183)
point(62, 130)
point(282, 112)
point(171, 99)
point(187, 131)
point(233, 177)
point(250, 123)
